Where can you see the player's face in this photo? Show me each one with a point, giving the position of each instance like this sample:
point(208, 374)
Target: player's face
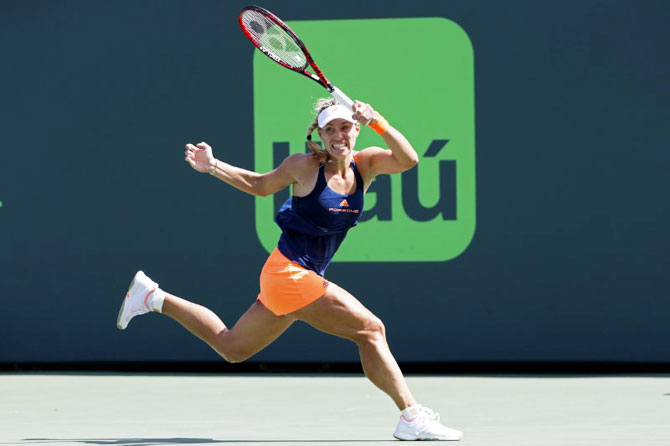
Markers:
point(339, 137)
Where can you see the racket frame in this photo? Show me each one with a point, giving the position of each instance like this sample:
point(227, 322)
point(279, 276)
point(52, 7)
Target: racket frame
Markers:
point(319, 77)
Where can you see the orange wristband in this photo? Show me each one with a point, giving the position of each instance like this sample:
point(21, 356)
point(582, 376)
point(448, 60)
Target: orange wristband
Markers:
point(381, 126)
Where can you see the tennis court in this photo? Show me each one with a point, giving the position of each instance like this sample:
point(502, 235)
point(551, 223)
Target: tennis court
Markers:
point(143, 409)
point(532, 237)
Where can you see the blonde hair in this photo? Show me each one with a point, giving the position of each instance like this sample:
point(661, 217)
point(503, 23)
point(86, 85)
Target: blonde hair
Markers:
point(320, 105)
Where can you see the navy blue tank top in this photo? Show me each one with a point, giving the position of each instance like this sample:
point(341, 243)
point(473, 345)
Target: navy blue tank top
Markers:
point(314, 226)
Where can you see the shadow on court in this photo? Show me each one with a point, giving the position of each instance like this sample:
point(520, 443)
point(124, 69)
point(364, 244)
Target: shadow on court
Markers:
point(160, 441)
point(152, 410)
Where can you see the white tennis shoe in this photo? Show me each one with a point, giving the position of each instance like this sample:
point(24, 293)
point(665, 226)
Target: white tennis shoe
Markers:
point(425, 426)
point(137, 300)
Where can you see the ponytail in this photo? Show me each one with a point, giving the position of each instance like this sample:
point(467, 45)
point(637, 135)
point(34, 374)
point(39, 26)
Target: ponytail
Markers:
point(318, 151)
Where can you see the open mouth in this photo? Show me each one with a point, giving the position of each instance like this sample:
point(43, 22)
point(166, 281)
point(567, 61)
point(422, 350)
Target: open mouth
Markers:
point(338, 146)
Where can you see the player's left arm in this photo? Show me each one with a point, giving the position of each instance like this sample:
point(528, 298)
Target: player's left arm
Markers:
point(376, 160)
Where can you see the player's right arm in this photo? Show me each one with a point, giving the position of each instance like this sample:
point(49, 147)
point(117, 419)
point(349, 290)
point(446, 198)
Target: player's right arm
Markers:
point(200, 158)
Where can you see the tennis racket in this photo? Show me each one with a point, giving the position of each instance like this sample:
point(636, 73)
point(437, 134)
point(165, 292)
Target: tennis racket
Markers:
point(277, 41)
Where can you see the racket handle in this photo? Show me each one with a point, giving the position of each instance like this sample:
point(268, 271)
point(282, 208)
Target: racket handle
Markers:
point(342, 98)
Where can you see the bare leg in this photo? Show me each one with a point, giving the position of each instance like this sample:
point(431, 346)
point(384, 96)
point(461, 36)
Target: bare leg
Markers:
point(341, 314)
point(254, 331)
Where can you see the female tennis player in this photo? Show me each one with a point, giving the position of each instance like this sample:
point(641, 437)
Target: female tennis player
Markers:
point(328, 189)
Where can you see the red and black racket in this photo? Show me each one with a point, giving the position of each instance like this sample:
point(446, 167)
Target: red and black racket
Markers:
point(277, 41)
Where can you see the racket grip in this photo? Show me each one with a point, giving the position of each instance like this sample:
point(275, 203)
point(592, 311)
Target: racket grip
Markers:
point(342, 98)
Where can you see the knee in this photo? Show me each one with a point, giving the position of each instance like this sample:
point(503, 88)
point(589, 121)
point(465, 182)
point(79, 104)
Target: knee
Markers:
point(234, 356)
point(373, 331)
point(229, 350)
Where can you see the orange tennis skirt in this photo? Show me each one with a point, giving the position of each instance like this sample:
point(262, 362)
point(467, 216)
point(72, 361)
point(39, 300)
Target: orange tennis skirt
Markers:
point(287, 286)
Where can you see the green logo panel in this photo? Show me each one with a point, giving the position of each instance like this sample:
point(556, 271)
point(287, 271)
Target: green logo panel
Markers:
point(419, 73)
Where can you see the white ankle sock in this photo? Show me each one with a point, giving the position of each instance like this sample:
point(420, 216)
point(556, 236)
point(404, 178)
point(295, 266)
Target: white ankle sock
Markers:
point(157, 299)
point(411, 412)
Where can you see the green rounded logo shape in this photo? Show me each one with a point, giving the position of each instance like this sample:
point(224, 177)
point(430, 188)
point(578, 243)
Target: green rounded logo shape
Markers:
point(419, 74)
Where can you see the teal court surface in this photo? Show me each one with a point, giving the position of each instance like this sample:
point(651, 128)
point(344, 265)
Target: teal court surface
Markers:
point(142, 409)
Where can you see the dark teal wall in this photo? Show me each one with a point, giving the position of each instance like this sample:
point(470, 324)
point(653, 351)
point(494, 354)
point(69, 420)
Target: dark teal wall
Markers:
point(570, 256)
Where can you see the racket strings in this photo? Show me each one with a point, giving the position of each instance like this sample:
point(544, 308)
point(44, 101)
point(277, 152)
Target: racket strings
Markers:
point(273, 39)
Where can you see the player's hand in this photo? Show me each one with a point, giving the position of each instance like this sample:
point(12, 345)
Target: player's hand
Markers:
point(364, 113)
point(200, 157)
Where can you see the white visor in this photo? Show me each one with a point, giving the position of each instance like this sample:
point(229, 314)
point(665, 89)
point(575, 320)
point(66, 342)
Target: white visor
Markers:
point(338, 111)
